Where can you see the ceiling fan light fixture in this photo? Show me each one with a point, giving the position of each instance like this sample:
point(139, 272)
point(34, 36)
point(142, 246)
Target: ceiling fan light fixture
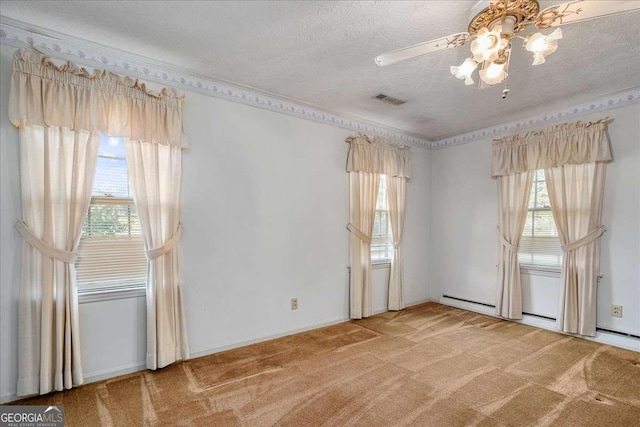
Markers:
point(488, 43)
point(507, 23)
point(494, 24)
point(494, 73)
point(542, 45)
point(463, 72)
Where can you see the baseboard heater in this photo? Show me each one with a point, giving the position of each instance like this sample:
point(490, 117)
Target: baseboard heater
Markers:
point(624, 334)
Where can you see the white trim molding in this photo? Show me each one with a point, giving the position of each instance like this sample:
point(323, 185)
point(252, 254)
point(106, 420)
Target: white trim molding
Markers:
point(89, 378)
point(293, 331)
point(20, 34)
point(92, 377)
point(609, 102)
point(602, 337)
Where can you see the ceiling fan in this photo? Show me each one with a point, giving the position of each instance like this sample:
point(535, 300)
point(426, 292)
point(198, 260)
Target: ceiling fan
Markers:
point(493, 25)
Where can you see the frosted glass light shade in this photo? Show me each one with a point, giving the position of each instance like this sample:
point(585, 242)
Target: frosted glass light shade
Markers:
point(488, 44)
point(463, 72)
point(494, 73)
point(541, 45)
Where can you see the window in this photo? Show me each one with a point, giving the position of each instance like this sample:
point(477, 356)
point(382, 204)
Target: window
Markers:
point(540, 244)
point(111, 251)
point(381, 246)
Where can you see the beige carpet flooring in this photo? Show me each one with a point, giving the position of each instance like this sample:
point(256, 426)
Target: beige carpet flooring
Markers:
point(429, 365)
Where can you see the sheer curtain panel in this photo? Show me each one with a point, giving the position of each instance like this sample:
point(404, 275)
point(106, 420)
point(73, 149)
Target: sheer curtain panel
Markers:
point(60, 111)
point(368, 158)
point(156, 176)
point(576, 193)
point(513, 199)
point(363, 197)
point(574, 157)
point(397, 189)
point(56, 171)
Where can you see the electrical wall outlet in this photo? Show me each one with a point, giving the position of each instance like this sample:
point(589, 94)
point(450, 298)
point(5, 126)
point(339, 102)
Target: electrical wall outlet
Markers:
point(294, 303)
point(616, 310)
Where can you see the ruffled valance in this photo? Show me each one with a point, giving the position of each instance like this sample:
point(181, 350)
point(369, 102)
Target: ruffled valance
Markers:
point(377, 155)
point(45, 94)
point(568, 143)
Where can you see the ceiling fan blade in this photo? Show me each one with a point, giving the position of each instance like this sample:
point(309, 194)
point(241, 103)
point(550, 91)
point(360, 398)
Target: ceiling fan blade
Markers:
point(454, 40)
point(576, 11)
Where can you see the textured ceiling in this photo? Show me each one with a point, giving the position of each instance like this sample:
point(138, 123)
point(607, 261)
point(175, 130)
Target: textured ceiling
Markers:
point(321, 53)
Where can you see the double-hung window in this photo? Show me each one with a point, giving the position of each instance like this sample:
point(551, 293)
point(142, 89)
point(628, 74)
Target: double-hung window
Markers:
point(111, 251)
point(540, 244)
point(381, 245)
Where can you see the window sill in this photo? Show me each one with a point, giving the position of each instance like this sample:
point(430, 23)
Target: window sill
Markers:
point(98, 295)
point(375, 265)
point(540, 270)
point(380, 264)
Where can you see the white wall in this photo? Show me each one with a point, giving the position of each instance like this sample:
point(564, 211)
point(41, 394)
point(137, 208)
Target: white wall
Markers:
point(417, 274)
point(464, 217)
point(265, 205)
point(113, 337)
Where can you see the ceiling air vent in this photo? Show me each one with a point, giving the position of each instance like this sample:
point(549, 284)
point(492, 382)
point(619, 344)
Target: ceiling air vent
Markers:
point(389, 99)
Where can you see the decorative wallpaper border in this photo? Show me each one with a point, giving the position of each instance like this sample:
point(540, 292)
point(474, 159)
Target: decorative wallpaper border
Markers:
point(610, 102)
point(19, 34)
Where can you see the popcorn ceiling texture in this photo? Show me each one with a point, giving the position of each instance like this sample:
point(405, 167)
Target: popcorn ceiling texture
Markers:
point(321, 53)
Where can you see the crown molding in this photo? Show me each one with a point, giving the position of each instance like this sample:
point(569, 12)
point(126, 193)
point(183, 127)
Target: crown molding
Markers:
point(20, 34)
point(609, 102)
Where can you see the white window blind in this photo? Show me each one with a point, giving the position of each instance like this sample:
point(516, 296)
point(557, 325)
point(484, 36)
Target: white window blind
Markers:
point(111, 251)
point(381, 245)
point(540, 244)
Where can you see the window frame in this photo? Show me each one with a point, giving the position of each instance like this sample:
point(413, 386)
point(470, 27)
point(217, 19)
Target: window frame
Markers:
point(112, 291)
point(534, 268)
point(382, 262)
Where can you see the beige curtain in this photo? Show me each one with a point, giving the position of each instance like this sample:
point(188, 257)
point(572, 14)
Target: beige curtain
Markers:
point(57, 168)
point(574, 157)
point(378, 155)
point(397, 193)
point(69, 96)
point(576, 193)
point(156, 177)
point(564, 144)
point(368, 158)
point(60, 111)
point(363, 195)
point(513, 201)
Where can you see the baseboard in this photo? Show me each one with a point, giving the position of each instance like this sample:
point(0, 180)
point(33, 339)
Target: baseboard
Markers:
point(91, 378)
point(470, 306)
point(116, 372)
point(123, 370)
point(406, 305)
point(616, 340)
point(290, 332)
point(6, 398)
point(410, 304)
point(268, 337)
point(608, 338)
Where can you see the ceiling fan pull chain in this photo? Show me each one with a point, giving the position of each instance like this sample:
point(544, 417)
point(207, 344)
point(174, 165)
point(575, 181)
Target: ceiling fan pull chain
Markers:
point(505, 92)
